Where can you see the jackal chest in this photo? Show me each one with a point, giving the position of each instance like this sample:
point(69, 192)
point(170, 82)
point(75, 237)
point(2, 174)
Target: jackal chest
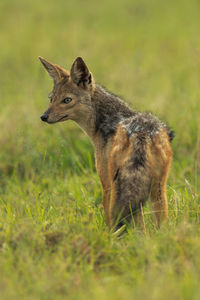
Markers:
point(101, 158)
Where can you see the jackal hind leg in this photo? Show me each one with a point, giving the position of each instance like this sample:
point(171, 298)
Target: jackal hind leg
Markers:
point(162, 162)
point(139, 219)
point(159, 200)
point(119, 208)
point(117, 157)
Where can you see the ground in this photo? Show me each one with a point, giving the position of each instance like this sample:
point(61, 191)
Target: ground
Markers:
point(54, 243)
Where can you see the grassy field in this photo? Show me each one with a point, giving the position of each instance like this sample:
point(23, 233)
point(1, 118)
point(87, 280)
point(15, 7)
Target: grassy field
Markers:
point(54, 243)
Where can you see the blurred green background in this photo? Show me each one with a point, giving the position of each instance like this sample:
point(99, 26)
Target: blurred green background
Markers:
point(53, 239)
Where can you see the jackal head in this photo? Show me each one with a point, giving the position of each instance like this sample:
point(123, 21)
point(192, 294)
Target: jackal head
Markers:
point(70, 98)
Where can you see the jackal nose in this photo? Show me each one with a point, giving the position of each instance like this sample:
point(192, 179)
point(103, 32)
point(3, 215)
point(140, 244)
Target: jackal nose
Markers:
point(44, 117)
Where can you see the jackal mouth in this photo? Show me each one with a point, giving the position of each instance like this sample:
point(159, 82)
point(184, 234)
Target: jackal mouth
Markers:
point(62, 118)
point(53, 122)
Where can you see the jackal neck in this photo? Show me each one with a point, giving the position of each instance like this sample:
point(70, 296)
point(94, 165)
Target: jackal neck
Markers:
point(109, 110)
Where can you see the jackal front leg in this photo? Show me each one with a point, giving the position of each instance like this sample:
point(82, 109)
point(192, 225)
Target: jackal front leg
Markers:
point(106, 204)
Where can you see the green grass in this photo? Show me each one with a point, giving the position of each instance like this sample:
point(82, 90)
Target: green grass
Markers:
point(54, 243)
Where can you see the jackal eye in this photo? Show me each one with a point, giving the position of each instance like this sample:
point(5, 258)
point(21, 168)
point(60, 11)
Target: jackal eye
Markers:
point(67, 100)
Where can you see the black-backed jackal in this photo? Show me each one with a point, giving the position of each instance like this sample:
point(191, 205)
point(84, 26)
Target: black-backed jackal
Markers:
point(132, 149)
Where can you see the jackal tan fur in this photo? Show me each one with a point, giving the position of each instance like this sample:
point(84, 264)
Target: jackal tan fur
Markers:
point(132, 149)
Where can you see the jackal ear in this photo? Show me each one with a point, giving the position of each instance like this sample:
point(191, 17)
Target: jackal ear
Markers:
point(56, 72)
point(80, 74)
